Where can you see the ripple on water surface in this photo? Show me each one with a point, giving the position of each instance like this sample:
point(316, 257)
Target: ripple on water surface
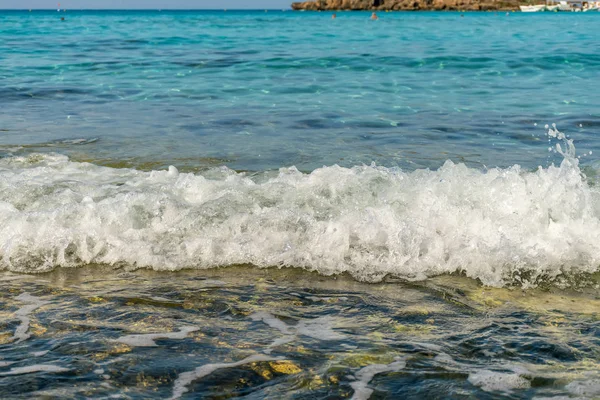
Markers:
point(104, 74)
point(242, 331)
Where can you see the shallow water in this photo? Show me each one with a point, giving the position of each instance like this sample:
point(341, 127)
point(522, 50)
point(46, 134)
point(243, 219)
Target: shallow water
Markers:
point(277, 205)
point(288, 334)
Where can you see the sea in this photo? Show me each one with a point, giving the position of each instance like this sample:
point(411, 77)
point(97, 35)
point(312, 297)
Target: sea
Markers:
point(281, 205)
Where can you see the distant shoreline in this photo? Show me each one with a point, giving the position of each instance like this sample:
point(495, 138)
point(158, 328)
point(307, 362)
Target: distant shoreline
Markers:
point(328, 6)
point(147, 9)
point(309, 8)
point(411, 5)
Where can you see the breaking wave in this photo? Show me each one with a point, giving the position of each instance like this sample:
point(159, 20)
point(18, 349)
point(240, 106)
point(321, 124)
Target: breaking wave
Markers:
point(501, 226)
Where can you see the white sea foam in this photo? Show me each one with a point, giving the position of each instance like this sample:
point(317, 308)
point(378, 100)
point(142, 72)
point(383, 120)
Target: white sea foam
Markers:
point(366, 375)
point(498, 225)
point(559, 398)
point(184, 379)
point(30, 369)
point(148, 339)
point(589, 388)
point(23, 315)
point(272, 321)
point(316, 328)
point(491, 381)
point(444, 358)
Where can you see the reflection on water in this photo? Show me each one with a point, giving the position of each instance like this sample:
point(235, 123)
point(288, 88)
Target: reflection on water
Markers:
point(97, 332)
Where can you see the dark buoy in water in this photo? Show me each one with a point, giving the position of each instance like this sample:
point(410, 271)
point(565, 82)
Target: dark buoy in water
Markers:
point(62, 18)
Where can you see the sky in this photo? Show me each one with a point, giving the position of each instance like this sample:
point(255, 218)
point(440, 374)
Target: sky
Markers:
point(149, 4)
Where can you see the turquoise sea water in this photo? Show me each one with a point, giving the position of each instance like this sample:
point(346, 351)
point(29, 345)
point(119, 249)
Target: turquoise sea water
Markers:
point(282, 205)
point(256, 90)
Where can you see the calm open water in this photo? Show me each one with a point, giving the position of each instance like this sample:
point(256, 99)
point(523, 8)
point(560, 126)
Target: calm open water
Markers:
point(281, 205)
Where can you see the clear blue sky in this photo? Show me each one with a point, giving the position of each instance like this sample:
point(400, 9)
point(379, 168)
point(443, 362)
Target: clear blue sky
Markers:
point(151, 4)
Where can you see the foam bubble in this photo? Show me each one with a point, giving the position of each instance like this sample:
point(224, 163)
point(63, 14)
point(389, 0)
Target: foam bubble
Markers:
point(444, 358)
point(492, 381)
point(366, 375)
point(184, 379)
point(23, 315)
point(148, 340)
point(558, 398)
point(588, 388)
point(500, 225)
point(316, 328)
point(319, 328)
point(34, 368)
point(271, 321)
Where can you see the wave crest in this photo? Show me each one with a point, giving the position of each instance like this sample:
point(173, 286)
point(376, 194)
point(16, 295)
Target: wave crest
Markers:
point(502, 226)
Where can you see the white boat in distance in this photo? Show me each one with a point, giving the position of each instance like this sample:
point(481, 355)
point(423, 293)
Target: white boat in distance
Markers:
point(563, 5)
point(536, 8)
